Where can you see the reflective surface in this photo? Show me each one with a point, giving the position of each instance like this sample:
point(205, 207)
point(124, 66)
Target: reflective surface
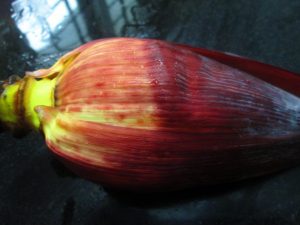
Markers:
point(36, 189)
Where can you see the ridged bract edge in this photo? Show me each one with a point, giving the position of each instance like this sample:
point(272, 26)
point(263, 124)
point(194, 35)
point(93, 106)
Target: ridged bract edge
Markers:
point(190, 120)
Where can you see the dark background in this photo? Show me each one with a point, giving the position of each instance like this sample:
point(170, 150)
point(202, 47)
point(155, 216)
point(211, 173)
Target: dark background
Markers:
point(36, 189)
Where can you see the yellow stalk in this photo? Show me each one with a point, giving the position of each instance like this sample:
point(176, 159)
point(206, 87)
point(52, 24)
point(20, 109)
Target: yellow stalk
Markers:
point(37, 92)
point(7, 104)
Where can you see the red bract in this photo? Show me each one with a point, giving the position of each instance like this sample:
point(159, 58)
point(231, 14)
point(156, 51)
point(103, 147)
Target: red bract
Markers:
point(147, 115)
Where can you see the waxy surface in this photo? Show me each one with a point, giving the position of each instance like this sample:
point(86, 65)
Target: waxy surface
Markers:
point(134, 113)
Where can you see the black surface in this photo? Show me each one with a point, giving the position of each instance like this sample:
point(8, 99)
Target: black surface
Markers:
point(36, 189)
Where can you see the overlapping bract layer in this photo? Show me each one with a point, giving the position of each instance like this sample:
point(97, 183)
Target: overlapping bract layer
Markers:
point(146, 114)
